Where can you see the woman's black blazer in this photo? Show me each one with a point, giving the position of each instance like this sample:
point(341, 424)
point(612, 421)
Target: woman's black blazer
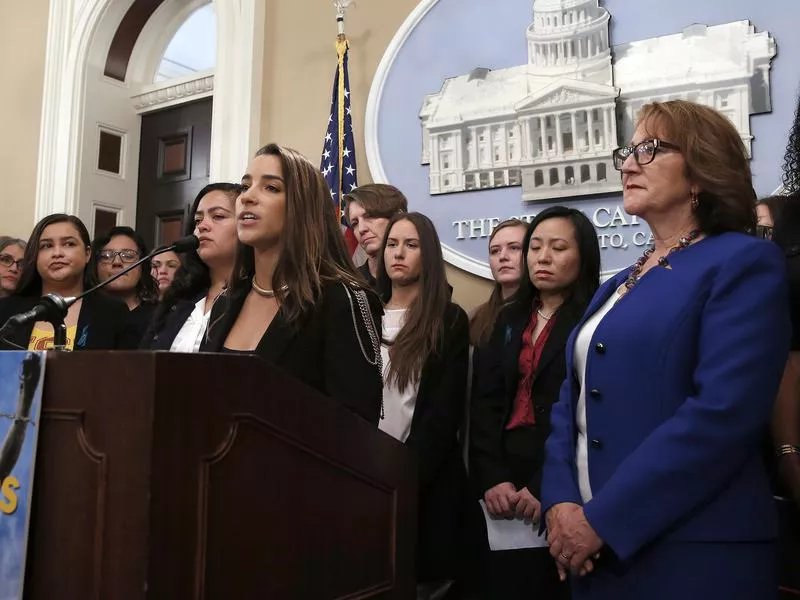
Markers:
point(495, 388)
point(104, 323)
point(443, 485)
point(170, 325)
point(321, 350)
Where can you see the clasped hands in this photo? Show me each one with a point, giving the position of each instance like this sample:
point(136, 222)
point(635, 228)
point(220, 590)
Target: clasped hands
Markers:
point(574, 544)
point(503, 501)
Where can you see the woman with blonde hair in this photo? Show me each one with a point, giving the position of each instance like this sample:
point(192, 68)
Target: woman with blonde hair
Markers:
point(505, 262)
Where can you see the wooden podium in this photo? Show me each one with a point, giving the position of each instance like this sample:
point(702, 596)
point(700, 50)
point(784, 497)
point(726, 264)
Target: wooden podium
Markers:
point(179, 476)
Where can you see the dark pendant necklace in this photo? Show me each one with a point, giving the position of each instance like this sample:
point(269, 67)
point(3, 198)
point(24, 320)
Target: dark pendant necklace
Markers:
point(636, 271)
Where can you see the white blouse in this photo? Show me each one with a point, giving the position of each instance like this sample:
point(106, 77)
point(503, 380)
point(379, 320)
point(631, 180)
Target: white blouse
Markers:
point(398, 407)
point(191, 334)
point(582, 342)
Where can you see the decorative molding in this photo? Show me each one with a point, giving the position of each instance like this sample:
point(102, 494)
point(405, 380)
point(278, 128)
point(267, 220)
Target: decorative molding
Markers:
point(72, 27)
point(69, 30)
point(172, 92)
point(236, 113)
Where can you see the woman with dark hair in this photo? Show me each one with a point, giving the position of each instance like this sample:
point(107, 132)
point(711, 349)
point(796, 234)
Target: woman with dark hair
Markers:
point(768, 212)
point(12, 251)
point(654, 485)
point(56, 261)
point(181, 318)
point(425, 352)
point(163, 269)
point(295, 298)
point(518, 382)
point(113, 252)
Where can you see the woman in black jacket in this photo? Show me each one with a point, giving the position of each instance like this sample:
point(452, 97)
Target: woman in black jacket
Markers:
point(425, 353)
point(518, 381)
point(56, 261)
point(295, 298)
point(180, 320)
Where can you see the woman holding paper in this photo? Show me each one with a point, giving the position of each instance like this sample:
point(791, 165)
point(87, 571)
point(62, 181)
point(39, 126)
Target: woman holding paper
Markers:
point(518, 382)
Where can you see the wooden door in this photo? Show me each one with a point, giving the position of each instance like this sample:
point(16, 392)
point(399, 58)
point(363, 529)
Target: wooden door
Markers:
point(173, 168)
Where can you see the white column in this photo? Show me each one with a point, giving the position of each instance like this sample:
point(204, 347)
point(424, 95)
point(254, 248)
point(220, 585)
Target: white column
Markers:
point(506, 143)
point(473, 147)
point(543, 135)
point(590, 128)
point(459, 153)
point(574, 132)
point(609, 128)
point(559, 144)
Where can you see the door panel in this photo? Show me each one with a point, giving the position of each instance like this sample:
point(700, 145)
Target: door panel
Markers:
point(173, 168)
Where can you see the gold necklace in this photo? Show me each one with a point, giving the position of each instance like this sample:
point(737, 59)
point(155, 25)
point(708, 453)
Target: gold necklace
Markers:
point(264, 292)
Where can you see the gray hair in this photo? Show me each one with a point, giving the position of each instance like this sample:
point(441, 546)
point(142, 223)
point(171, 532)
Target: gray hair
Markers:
point(7, 240)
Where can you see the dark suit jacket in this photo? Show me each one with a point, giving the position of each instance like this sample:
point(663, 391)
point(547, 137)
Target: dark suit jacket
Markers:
point(443, 484)
point(321, 350)
point(495, 388)
point(161, 338)
point(681, 377)
point(104, 323)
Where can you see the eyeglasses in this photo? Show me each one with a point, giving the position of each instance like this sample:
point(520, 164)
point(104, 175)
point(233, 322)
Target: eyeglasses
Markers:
point(126, 255)
point(643, 153)
point(7, 260)
point(764, 232)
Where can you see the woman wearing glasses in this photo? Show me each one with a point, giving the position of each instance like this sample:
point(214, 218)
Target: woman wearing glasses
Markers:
point(653, 483)
point(11, 253)
point(115, 251)
point(57, 261)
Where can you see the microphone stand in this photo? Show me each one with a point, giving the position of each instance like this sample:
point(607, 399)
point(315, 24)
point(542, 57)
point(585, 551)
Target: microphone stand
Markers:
point(55, 306)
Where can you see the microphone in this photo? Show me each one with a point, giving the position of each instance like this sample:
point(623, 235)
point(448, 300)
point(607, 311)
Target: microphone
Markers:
point(53, 307)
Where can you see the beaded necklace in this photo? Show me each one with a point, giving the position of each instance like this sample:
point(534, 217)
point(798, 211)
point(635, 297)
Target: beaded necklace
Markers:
point(633, 277)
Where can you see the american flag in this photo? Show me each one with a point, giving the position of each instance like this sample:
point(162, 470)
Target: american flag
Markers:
point(339, 152)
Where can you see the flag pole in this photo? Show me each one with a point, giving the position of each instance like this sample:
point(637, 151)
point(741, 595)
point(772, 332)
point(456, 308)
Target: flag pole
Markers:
point(341, 51)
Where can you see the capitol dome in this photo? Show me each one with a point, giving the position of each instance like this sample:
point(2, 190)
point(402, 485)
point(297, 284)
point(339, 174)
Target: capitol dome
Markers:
point(570, 37)
point(559, 5)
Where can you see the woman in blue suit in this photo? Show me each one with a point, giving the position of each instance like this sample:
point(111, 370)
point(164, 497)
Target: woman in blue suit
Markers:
point(653, 486)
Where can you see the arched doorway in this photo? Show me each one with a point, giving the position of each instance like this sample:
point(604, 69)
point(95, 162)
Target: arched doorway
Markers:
point(100, 77)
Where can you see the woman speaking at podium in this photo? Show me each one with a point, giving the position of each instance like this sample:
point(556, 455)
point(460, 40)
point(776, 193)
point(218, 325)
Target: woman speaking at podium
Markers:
point(56, 261)
point(296, 299)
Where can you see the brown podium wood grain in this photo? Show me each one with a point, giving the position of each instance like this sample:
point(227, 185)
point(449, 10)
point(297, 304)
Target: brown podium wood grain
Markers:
point(177, 476)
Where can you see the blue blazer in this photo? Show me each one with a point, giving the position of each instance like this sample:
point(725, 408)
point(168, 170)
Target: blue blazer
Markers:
point(681, 376)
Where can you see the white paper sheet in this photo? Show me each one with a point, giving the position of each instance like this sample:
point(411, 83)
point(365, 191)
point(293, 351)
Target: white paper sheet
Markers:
point(512, 534)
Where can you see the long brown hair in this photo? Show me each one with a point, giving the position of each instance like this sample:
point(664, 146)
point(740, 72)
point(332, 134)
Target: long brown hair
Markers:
point(715, 158)
point(420, 337)
point(484, 317)
point(313, 251)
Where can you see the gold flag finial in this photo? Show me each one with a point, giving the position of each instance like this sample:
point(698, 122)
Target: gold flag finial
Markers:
point(341, 10)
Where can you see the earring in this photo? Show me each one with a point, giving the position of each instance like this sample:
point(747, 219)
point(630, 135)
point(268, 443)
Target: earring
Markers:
point(695, 201)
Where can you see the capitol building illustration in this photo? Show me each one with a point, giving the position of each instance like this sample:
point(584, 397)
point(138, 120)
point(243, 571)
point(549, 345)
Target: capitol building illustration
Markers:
point(550, 125)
